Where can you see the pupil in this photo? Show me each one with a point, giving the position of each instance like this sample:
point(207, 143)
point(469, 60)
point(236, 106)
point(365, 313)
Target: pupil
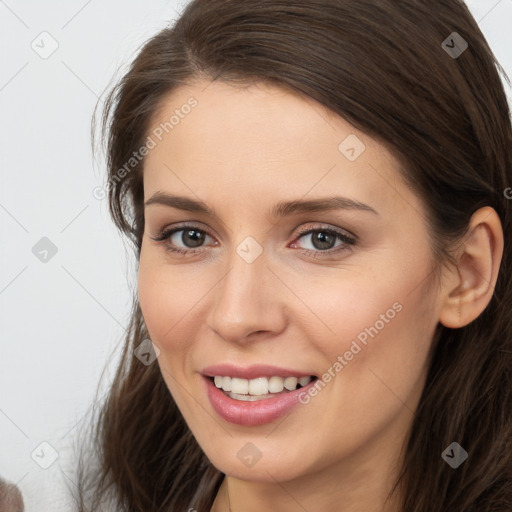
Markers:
point(323, 240)
point(196, 240)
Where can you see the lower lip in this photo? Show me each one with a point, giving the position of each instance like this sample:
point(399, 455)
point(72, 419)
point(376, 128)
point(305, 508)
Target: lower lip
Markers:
point(251, 414)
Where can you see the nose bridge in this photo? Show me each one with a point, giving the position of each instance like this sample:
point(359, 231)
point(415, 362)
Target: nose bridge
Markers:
point(246, 299)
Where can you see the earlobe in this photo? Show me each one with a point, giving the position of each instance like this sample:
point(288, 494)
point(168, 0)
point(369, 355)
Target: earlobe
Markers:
point(470, 286)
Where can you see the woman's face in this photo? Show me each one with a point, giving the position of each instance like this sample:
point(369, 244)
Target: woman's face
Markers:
point(302, 253)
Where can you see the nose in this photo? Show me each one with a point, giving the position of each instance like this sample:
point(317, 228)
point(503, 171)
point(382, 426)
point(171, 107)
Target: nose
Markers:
point(248, 302)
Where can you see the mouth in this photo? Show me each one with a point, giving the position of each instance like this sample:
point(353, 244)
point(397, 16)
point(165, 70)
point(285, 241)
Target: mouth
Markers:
point(256, 401)
point(260, 388)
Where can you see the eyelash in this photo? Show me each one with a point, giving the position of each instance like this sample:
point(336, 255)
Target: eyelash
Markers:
point(348, 241)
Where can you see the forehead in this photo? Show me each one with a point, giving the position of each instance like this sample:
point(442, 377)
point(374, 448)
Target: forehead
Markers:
point(261, 141)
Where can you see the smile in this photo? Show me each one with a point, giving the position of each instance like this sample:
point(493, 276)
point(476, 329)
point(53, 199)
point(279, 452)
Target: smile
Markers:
point(256, 395)
point(260, 388)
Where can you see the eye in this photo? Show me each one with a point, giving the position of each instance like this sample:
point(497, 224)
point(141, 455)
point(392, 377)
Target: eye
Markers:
point(323, 241)
point(190, 236)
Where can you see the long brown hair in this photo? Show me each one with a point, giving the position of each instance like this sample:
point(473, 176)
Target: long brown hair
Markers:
point(384, 66)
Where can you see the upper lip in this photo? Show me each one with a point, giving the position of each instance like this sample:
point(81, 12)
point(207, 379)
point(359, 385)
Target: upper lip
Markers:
point(251, 372)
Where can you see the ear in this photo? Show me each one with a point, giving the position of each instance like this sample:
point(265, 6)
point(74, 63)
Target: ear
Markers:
point(468, 288)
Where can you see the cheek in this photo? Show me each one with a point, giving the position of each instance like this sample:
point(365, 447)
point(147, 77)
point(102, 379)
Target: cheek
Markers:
point(375, 362)
point(165, 302)
point(381, 360)
point(380, 334)
point(166, 296)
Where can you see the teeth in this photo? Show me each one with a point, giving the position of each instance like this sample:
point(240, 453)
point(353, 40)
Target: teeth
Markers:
point(242, 389)
point(304, 381)
point(290, 383)
point(275, 384)
point(249, 398)
point(226, 383)
point(239, 386)
point(258, 386)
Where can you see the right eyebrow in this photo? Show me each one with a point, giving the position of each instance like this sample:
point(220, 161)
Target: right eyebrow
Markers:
point(181, 203)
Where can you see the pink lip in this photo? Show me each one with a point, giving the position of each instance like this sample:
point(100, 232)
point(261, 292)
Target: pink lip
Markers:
point(251, 372)
point(251, 414)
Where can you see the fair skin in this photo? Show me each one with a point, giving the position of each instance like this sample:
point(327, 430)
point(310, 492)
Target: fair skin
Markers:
point(298, 305)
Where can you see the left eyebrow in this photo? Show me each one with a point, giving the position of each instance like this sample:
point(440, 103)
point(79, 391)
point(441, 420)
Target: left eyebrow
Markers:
point(286, 208)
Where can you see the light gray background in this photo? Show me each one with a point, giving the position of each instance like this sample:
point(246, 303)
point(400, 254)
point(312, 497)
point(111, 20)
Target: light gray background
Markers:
point(61, 321)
